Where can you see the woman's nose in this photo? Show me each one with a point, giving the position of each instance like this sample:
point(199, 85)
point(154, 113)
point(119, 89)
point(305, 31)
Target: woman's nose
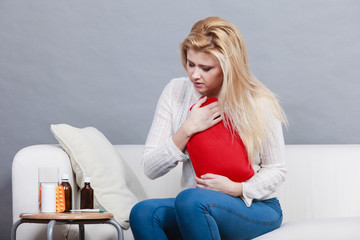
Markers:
point(196, 74)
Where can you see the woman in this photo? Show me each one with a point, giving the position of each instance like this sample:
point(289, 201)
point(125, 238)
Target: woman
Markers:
point(214, 206)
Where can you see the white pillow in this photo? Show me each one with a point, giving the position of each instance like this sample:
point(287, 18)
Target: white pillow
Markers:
point(116, 188)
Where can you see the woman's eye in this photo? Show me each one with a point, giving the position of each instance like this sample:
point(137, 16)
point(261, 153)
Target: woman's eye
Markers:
point(206, 69)
point(191, 64)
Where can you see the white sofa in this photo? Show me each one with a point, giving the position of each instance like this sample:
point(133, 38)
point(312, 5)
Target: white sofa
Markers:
point(320, 198)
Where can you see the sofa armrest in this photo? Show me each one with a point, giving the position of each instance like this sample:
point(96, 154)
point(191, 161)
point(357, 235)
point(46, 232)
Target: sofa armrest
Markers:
point(25, 175)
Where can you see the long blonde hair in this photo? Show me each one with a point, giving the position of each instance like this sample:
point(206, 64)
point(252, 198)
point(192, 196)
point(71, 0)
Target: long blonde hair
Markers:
point(250, 107)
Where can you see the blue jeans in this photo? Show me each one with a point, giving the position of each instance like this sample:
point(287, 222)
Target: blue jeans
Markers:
point(203, 214)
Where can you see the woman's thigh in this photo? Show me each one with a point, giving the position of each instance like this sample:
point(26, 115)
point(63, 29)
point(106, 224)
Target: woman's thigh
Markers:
point(223, 216)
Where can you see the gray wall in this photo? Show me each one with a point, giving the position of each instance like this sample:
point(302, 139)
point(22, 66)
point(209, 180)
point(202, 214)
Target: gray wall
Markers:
point(104, 64)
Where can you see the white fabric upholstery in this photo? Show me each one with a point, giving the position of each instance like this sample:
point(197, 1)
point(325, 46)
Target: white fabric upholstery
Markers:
point(320, 197)
point(323, 181)
point(319, 229)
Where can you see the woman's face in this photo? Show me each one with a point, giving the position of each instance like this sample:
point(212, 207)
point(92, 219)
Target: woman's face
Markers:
point(205, 72)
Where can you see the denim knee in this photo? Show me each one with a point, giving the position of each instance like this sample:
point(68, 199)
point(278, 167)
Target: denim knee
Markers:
point(184, 197)
point(189, 200)
point(154, 219)
point(137, 212)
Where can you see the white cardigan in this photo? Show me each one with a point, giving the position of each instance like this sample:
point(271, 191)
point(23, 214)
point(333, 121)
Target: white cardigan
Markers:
point(161, 155)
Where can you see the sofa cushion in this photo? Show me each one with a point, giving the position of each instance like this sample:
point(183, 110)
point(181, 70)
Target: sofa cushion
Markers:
point(216, 150)
point(328, 228)
point(116, 187)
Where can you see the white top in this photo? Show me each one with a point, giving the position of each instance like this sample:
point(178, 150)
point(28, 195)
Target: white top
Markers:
point(161, 154)
point(65, 176)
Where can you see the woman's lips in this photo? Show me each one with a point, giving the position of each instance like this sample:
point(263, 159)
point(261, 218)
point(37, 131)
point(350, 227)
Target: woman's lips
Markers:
point(198, 84)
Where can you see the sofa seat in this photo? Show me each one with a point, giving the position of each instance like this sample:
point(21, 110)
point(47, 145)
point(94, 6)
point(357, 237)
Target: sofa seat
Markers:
point(320, 197)
point(329, 229)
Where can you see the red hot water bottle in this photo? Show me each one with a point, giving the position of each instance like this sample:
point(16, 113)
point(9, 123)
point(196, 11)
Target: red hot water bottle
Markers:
point(217, 151)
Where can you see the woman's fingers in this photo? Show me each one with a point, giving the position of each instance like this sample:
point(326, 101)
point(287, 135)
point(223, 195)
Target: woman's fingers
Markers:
point(214, 110)
point(199, 103)
point(200, 183)
point(202, 118)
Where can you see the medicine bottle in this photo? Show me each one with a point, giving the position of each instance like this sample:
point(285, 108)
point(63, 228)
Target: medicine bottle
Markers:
point(87, 195)
point(67, 192)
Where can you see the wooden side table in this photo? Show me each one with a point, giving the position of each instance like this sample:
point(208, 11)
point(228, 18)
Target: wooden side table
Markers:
point(51, 219)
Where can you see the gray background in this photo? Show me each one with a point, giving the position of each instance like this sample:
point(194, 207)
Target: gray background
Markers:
point(105, 63)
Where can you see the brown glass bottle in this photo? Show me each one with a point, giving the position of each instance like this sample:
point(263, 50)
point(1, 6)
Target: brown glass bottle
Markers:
point(67, 192)
point(87, 195)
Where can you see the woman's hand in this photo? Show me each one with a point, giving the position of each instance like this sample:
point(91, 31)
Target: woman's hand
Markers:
point(219, 183)
point(200, 119)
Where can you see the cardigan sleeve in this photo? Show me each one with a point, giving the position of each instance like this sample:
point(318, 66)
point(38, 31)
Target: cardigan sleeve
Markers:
point(271, 171)
point(161, 154)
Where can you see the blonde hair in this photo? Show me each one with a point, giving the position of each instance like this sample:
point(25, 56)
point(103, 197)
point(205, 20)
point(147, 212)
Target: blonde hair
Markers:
point(250, 107)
